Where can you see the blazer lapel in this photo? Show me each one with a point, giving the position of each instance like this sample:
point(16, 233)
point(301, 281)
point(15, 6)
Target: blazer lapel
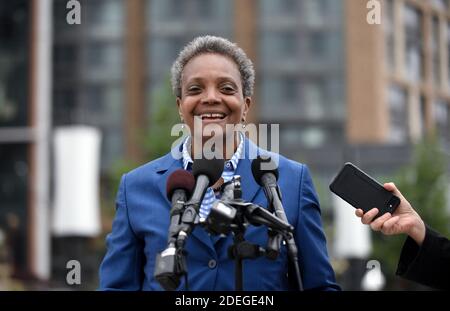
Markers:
point(249, 186)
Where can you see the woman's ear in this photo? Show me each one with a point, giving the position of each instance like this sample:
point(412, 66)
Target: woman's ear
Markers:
point(247, 104)
point(180, 113)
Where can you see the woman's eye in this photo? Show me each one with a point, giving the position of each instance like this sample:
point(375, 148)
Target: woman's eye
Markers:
point(194, 89)
point(228, 89)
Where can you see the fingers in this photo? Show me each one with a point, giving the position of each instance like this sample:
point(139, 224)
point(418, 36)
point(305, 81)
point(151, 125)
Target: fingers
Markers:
point(359, 212)
point(368, 217)
point(389, 224)
point(378, 223)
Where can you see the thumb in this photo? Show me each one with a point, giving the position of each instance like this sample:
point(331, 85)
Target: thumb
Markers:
point(390, 186)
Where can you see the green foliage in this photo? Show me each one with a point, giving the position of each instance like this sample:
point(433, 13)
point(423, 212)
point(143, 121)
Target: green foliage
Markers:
point(155, 140)
point(424, 184)
point(164, 114)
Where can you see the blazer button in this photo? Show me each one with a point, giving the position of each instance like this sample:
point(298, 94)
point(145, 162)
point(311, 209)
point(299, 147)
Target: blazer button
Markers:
point(212, 264)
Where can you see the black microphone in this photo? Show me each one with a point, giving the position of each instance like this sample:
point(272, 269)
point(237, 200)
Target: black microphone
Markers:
point(179, 187)
point(268, 180)
point(170, 264)
point(206, 173)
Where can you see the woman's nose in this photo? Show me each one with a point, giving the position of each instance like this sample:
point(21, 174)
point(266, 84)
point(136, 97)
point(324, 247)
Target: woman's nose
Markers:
point(211, 96)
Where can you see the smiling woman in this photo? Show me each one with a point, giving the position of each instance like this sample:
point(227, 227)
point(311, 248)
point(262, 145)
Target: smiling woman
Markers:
point(212, 80)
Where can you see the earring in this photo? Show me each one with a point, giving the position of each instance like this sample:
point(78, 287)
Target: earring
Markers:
point(182, 126)
point(243, 125)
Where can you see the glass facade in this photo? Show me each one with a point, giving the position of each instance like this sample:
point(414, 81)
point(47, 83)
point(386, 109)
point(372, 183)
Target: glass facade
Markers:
point(171, 24)
point(448, 56)
point(14, 181)
point(15, 17)
point(435, 49)
point(398, 115)
point(14, 54)
point(89, 71)
point(389, 29)
point(440, 4)
point(442, 119)
point(302, 69)
point(414, 39)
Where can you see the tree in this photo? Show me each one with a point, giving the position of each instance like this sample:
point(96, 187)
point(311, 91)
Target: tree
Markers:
point(155, 141)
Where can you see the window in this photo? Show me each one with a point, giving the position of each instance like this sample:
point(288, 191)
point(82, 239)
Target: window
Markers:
point(309, 136)
point(104, 61)
point(107, 15)
point(448, 55)
point(313, 99)
point(14, 181)
point(14, 71)
point(398, 113)
point(317, 45)
point(285, 8)
point(389, 29)
point(414, 38)
point(423, 115)
point(279, 47)
point(440, 4)
point(436, 52)
point(281, 98)
point(442, 119)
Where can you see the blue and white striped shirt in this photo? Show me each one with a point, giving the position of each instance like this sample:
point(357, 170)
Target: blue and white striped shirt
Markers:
point(227, 175)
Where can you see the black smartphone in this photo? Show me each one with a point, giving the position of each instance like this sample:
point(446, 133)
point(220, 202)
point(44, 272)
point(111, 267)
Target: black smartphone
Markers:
point(362, 191)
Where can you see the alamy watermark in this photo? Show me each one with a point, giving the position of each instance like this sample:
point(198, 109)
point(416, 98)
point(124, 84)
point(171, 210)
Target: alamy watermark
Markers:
point(73, 276)
point(73, 17)
point(373, 16)
point(212, 140)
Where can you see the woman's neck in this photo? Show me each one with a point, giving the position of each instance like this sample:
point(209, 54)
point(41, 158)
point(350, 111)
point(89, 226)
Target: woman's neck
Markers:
point(209, 145)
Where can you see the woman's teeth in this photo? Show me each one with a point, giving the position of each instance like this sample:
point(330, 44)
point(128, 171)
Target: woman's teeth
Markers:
point(212, 116)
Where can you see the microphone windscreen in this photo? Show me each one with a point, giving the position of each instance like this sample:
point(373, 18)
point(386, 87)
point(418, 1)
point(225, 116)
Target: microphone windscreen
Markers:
point(258, 172)
point(180, 179)
point(212, 168)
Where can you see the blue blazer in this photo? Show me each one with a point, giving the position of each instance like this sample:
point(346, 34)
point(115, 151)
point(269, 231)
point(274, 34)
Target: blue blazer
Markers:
point(142, 218)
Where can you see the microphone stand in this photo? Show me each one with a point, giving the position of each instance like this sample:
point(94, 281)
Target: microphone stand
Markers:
point(275, 205)
point(232, 214)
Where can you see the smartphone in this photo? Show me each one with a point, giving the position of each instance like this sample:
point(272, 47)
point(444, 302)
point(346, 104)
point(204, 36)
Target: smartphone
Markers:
point(362, 191)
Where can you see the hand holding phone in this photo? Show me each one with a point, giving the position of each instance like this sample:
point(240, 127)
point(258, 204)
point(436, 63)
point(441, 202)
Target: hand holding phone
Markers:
point(362, 191)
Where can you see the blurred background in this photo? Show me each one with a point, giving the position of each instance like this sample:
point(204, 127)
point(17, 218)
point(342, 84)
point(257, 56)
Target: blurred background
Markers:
point(80, 104)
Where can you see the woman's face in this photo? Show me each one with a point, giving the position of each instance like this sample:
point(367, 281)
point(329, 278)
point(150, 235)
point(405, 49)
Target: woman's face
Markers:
point(211, 89)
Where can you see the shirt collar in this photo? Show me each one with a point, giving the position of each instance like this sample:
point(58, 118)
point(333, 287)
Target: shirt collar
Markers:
point(187, 160)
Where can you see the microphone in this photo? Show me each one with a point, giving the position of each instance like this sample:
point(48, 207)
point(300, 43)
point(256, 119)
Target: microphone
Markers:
point(179, 187)
point(268, 180)
point(170, 264)
point(206, 173)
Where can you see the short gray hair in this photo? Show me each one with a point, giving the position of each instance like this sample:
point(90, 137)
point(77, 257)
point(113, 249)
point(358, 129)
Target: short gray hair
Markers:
point(213, 44)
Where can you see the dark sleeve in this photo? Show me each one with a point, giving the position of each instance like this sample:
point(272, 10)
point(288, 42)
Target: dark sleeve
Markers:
point(428, 264)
